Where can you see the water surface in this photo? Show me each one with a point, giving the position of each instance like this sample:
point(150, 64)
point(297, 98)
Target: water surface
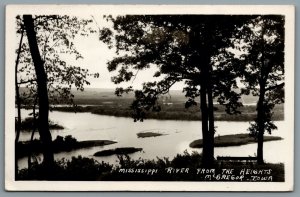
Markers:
point(178, 136)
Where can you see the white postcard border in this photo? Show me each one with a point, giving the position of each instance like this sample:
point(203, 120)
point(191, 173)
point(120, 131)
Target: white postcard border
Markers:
point(13, 10)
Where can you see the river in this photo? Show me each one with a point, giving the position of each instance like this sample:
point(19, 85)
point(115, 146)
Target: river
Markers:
point(178, 136)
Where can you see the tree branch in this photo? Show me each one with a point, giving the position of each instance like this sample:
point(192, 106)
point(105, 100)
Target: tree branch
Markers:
point(166, 89)
point(275, 87)
point(96, 23)
point(54, 44)
point(135, 76)
point(44, 50)
point(28, 81)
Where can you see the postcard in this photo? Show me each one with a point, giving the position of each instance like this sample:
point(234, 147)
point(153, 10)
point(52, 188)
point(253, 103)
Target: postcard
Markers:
point(149, 97)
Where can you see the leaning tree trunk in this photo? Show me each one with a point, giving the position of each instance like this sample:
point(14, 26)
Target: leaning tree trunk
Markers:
point(18, 99)
point(18, 102)
point(43, 102)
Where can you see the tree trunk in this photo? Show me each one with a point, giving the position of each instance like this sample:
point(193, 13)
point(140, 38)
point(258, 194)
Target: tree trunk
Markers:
point(260, 104)
point(43, 102)
point(208, 141)
point(207, 119)
point(32, 134)
point(211, 117)
point(260, 123)
point(18, 102)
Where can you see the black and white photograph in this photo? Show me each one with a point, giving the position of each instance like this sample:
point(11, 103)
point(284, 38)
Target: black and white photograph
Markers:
point(149, 98)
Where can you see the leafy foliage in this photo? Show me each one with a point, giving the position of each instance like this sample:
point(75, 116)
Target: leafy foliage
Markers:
point(183, 48)
point(262, 66)
point(28, 124)
point(78, 168)
point(55, 36)
point(87, 169)
point(180, 46)
point(43, 70)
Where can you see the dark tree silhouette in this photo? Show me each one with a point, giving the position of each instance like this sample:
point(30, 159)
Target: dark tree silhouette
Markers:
point(41, 77)
point(262, 69)
point(53, 37)
point(183, 48)
point(18, 99)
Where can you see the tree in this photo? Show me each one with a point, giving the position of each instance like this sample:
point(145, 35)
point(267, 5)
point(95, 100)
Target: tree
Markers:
point(18, 100)
point(262, 70)
point(44, 72)
point(43, 124)
point(183, 48)
point(55, 40)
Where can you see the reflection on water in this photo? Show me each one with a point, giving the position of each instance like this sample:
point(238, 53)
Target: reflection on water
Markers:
point(87, 126)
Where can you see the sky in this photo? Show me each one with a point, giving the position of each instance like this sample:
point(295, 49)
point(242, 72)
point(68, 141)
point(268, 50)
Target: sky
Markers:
point(96, 54)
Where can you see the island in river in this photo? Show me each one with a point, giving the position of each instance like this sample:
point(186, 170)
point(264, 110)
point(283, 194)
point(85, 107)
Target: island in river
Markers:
point(233, 140)
point(60, 144)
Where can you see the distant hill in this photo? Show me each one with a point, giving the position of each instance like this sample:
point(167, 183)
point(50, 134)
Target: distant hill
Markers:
point(95, 96)
point(176, 96)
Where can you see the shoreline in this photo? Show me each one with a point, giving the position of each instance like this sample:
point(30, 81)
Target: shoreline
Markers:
point(24, 148)
point(170, 113)
point(233, 140)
